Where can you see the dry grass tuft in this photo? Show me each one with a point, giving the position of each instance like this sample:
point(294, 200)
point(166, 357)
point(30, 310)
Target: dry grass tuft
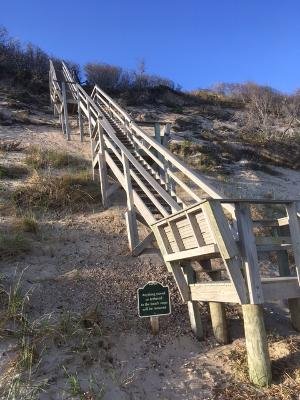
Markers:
point(12, 246)
point(27, 224)
point(69, 192)
point(12, 171)
point(10, 145)
point(42, 158)
point(285, 357)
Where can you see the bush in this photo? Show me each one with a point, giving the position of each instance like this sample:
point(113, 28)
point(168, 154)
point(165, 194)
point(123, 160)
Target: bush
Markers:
point(113, 78)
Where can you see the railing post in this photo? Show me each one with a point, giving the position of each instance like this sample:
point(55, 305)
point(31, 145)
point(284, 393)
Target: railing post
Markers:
point(102, 166)
point(255, 333)
point(218, 313)
point(132, 229)
point(91, 138)
point(65, 109)
point(80, 122)
point(193, 306)
point(159, 155)
point(294, 304)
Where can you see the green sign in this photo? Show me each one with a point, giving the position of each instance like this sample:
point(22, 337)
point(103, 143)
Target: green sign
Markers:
point(153, 300)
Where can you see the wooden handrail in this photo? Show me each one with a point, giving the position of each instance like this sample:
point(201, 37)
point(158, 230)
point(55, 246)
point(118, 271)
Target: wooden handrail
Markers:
point(137, 133)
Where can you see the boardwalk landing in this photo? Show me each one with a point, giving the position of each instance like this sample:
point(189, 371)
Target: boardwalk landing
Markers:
point(212, 246)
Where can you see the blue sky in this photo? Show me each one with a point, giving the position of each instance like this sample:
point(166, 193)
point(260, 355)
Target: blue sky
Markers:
point(195, 43)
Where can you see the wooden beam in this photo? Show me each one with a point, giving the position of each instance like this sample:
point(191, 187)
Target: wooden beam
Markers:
point(204, 252)
point(294, 225)
point(65, 107)
point(193, 306)
point(132, 229)
point(249, 252)
point(102, 167)
point(259, 364)
point(228, 249)
point(143, 244)
point(222, 291)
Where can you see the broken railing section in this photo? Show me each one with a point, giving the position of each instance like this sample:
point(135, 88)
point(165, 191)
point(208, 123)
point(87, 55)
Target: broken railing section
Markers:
point(194, 243)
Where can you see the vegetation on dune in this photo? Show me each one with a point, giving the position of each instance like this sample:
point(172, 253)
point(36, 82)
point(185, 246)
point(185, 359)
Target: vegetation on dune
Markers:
point(72, 192)
point(41, 158)
point(13, 245)
point(12, 171)
point(27, 224)
point(10, 145)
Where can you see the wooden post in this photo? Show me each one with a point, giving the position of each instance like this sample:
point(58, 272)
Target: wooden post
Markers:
point(65, 107)
point(284, 270)
point(154, 322)
point(102, 167)
point(218, 316)
point(249, 252)
point(130, 216)
point(256, 343)
point(294, 225)
point(193, 306)
point(159, 156)
point(294, 306)
point(91, 138)
point(218, 321)
point(80, 122)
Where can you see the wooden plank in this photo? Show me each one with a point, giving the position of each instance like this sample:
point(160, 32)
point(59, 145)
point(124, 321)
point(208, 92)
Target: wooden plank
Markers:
point(130, 214)
point(143, 244)
point(280, 288)
point(80, 121)
point(294, 225)
point(249, 252)
point(102, 167)
point(193, 306)
point(141, 206)
point(196, 229)
point(180, 280)
point(227, 247)
point(65, 109)
point(199, 252)
point(176, 235)
point(222, 291)
point(259, 364)
point(272, 240)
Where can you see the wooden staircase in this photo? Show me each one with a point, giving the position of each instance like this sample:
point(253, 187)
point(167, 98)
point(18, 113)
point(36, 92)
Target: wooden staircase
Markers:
point(193, 226)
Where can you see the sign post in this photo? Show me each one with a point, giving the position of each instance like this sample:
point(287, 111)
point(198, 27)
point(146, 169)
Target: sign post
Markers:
point(153, 301)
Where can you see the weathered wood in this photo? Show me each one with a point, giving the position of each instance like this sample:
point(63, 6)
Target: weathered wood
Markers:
point(143, 244)
point(222, 291)
point(294, 306)
point(284, 270)
point(257, 347)
point(225, 242)
point(80, 121)
point(219, 323)
point(218, 314)
point(193, 306)
point(204, 252)
point(294, 225)
point(102, 168)
point(280, 288)
point(154, 323)
point(132, 229)
point(65, 108)
point(249, 252)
